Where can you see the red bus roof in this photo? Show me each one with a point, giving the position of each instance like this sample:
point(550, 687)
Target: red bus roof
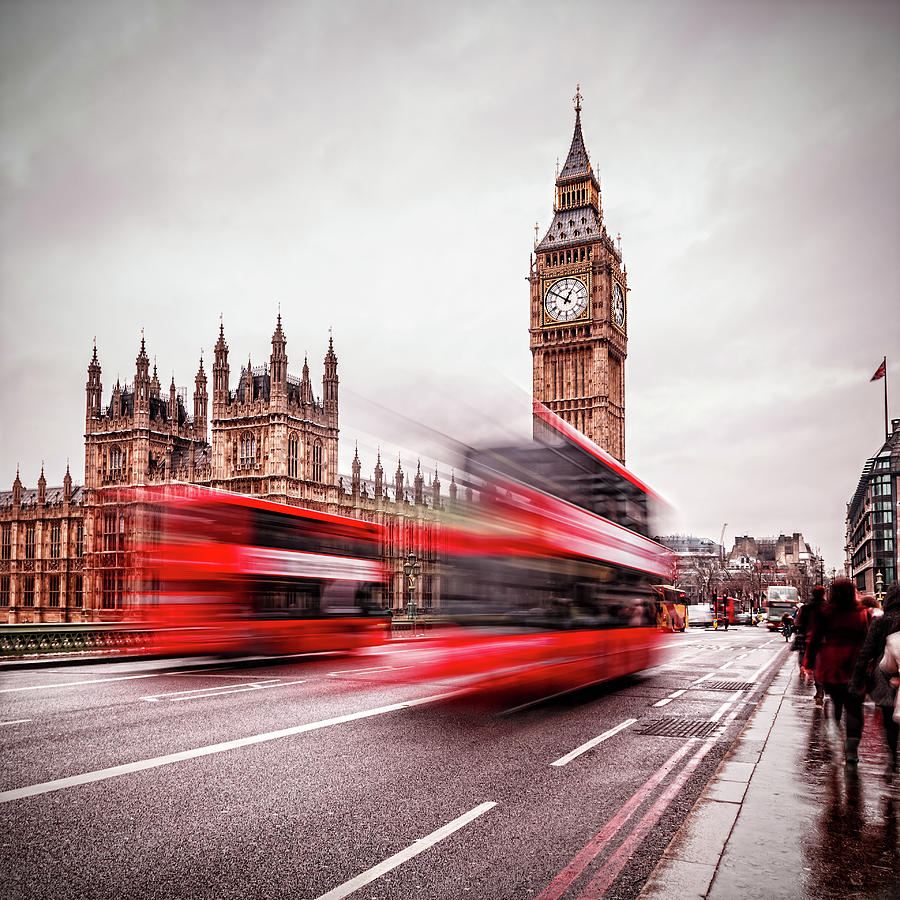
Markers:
point(585, 443)
point(200, 493)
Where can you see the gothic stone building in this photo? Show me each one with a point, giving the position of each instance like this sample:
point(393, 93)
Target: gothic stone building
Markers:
point(66, 551)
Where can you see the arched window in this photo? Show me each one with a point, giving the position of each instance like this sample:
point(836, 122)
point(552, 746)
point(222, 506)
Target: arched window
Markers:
point(248, 449)
point(317, 461)
point(293, 455)
point(234, 455)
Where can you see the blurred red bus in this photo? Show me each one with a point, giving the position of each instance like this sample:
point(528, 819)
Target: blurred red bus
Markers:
point(226, 573)
point(550, 574)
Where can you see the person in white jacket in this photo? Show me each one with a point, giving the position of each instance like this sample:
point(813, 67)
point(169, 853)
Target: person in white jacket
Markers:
point(890, 665)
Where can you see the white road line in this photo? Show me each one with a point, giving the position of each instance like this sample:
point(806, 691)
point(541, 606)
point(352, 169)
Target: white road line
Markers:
point(563, 760)
point(126, 769)
point(15, 721)
point(365, 671)
point(721, 710)
point(707, 675)
point(663, 702)
point(762, 669)
point(367, 877)
point(199, 693)
point(65, 684)
point(675, 694)
point(727, 665)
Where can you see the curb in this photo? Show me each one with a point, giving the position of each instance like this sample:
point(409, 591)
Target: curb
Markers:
point(690, 862)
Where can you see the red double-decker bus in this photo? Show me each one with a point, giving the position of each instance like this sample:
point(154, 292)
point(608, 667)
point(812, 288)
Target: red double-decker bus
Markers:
point(226, 573)
point(549, 575)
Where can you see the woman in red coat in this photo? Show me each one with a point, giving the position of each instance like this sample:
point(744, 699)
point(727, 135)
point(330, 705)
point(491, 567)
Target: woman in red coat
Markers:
point(838, 631)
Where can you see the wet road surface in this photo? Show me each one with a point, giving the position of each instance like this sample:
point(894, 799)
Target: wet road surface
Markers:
point(318, 779)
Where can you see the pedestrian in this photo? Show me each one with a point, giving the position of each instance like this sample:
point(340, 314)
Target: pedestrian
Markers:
point(802, 627)
point(838, 633)
point(868, 677)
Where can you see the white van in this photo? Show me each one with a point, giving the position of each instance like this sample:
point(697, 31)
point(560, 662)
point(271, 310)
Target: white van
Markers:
point(699, 614)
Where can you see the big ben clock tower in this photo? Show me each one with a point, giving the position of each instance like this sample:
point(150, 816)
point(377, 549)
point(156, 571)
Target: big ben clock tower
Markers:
point(578, 308)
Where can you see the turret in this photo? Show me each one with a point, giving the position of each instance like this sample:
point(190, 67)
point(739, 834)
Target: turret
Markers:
point(355, 482)
point(436, 491)
point(94, 389)
point(453, 489)
point(67, 485)
point(398, 482)
point(42, 488)
point(330, 384)
point(220, 374)
point(306, 394)
point(142, 381)
point(17, 489)
point(173, 403)
point(379, 478)
point(419, 486)
point(200, 403)
point(154, 383)
point(248, 382)
point(278, 365)
point(117, 400)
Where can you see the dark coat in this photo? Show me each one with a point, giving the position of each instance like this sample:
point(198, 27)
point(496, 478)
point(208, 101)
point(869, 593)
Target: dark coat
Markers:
point(867, 676)
point(836, 638)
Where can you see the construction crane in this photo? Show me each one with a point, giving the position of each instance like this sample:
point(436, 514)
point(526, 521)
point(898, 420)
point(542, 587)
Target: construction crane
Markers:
point(722, 538)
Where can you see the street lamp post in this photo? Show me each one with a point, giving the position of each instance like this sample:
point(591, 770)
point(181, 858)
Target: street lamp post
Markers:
point(879, 586)
point(411, 569)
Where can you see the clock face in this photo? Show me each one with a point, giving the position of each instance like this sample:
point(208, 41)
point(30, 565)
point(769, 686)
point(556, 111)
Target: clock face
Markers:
point(618, 305)
point(566, 300)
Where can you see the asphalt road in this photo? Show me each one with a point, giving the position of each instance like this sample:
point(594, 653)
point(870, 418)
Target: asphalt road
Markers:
point(320, 778)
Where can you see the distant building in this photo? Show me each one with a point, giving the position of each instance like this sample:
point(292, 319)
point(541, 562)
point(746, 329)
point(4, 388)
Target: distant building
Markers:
point(755, 563)
point(872, 517)
point(697, 564)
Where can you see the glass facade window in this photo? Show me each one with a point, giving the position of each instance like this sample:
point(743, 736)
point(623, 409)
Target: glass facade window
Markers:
point(6, 542)
point(4, 590)
point(78, 592)
point(54, 540)
point(29, 541)
point(28, 590)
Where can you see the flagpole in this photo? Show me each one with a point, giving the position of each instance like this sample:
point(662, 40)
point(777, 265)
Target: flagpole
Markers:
point(886, 434)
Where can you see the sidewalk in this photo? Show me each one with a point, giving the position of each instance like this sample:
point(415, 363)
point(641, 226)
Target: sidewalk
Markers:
point(783, 818)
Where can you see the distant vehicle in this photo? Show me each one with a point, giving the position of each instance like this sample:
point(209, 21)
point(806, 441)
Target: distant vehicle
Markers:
point(780, 599)
point(743, 618)
point(671, 608)
point(699, 614)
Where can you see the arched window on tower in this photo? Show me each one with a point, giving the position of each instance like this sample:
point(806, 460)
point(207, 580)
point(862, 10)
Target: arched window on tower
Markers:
point(293, 455)
point(234, 454)
point(317, 461)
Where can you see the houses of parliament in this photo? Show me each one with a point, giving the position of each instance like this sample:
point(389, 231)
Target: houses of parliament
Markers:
point(64, 550)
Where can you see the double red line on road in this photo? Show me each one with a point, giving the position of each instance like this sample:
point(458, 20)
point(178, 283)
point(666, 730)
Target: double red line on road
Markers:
point(614, 865)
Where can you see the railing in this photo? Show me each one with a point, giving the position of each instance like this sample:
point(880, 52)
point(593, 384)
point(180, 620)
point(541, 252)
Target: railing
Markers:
point(40, 640)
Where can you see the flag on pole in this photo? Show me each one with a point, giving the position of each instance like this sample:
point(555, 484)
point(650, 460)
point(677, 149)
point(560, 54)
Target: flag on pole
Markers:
point(880, 371)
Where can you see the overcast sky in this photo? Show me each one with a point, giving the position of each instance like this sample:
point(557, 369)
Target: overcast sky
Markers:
point(378, 168)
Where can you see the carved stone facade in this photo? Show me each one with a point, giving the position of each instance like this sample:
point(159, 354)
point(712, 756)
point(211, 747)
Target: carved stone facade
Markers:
point(578, 324)
point(66, 551)
point(42, 552)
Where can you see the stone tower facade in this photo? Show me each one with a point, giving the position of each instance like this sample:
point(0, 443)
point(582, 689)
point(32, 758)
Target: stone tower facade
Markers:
point(578, 323)
point(271, 436)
